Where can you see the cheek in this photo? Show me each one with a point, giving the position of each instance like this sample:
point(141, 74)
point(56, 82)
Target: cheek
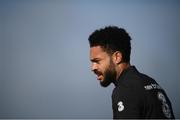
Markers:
point(104, 68)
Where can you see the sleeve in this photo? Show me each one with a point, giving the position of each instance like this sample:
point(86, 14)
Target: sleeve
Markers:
point(126, 103)
point(158, 105)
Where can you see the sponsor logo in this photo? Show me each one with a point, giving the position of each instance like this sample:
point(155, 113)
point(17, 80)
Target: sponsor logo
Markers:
point(120, 106)
point(152, 86)
point(165, 107)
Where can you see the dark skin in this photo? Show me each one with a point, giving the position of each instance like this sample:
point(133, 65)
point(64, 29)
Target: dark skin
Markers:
point(105, 65)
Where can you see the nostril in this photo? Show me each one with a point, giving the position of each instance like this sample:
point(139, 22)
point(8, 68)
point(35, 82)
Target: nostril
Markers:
point(96, 71)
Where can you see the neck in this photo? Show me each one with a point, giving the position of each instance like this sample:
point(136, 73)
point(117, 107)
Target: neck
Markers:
point(121, 68)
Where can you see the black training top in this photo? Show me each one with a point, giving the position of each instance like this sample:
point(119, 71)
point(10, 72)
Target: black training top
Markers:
point(138, 96)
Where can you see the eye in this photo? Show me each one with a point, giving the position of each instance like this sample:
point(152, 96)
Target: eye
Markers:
point(96, 61)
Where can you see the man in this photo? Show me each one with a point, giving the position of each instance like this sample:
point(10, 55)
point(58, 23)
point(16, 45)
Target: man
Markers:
point(135, 94)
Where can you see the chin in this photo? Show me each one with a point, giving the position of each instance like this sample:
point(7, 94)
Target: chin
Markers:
point(104, 83)
point(101, 80)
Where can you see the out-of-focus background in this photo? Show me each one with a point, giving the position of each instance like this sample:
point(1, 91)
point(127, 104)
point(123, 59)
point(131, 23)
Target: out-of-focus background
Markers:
point(44, 54)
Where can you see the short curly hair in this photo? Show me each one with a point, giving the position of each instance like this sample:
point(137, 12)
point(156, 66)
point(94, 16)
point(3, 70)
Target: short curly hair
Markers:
point(111, 39)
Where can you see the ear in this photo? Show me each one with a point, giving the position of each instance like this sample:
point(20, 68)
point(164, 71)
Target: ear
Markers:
point(117, 57)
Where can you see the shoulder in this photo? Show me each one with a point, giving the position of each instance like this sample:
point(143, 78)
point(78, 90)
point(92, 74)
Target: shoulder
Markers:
point(141, 96)
point(157, 103)
point(132, 86)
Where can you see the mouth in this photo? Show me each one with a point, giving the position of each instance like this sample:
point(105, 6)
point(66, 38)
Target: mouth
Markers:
point(100, 77)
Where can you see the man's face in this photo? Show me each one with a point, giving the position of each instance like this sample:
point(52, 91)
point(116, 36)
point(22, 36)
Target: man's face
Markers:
point(102, 66)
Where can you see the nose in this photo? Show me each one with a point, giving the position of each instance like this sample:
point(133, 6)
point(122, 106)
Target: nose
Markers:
point(94, 66)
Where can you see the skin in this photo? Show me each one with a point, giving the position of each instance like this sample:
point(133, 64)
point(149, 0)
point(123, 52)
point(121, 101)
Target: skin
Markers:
point(102, 61)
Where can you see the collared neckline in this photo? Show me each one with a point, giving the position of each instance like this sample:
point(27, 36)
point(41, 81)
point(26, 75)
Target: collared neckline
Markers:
point(123, 74)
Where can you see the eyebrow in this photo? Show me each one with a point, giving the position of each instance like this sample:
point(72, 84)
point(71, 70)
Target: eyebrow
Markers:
point(95, 59)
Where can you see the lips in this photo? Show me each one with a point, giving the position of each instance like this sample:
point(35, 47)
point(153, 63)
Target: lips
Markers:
point(99, 75)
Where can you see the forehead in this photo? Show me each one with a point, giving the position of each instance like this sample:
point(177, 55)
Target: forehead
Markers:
point(97, 52)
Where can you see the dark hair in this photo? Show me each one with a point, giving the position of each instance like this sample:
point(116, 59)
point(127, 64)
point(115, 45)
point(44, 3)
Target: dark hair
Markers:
point(112, 39)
